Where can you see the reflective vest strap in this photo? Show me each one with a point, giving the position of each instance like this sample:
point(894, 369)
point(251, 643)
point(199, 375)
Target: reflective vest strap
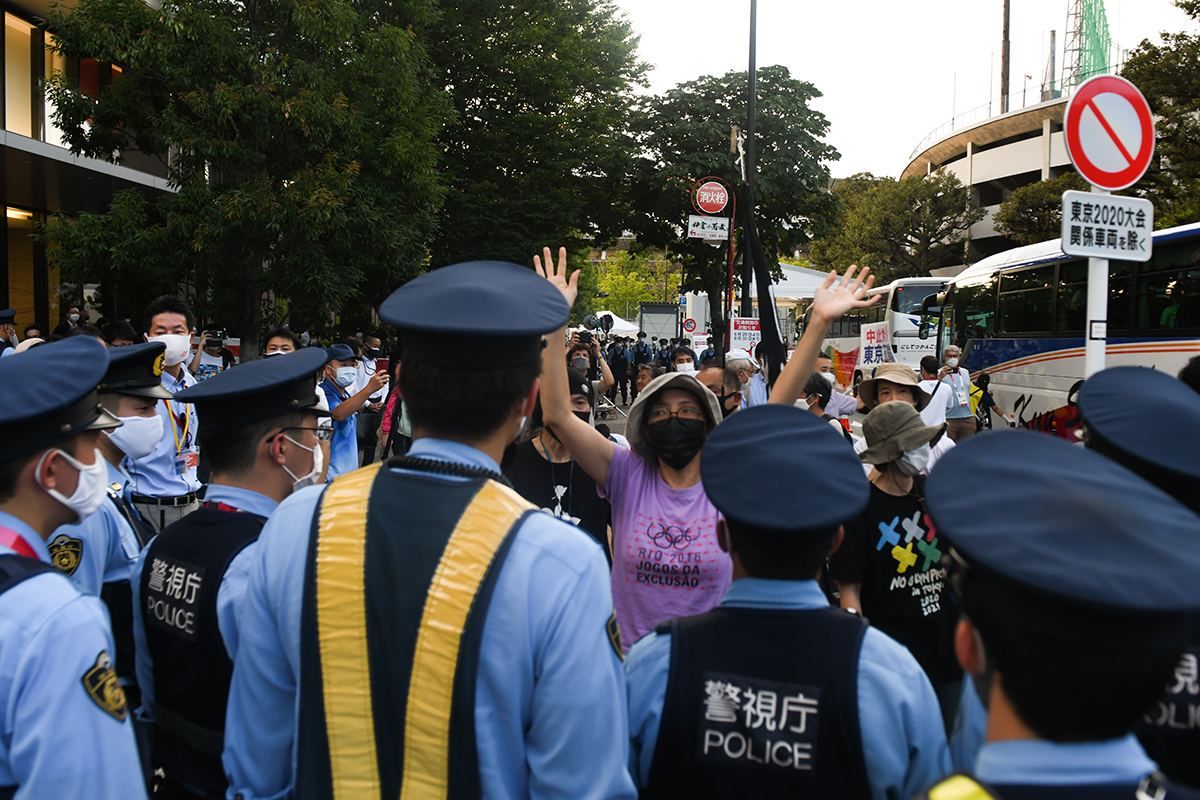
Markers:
point(480, 533)
point(15, 542)
point(341, 611)
point(959, 787)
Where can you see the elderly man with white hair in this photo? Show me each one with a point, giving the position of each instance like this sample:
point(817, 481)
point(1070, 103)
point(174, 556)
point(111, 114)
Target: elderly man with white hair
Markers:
point(960, 420)
point(754, 383)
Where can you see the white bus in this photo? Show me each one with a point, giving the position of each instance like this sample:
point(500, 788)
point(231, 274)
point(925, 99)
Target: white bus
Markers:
point(1019, 317)
point(901, 310)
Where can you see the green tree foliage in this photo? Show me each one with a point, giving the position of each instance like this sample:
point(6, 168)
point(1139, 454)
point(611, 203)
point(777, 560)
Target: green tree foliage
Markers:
point(900, 228)
point(1033, 213)
point(630, 279)
point(684, 135)
point(301, 139)
point(1168, 73)
point(537, 151)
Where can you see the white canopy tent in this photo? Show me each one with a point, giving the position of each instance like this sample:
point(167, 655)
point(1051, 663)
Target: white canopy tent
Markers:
point(799, 283)
point(621, 327)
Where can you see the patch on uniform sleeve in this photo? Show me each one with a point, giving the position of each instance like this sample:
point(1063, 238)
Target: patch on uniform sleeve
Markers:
point(614, 635)
point(65, 553)
point(100, 682)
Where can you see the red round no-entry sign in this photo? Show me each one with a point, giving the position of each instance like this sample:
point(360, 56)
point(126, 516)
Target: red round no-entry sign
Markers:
point(1109, 132)
point(711, 197)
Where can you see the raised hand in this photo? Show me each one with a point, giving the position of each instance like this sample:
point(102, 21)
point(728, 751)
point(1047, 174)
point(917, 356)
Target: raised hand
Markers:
point(836, 296)
point(557, 274)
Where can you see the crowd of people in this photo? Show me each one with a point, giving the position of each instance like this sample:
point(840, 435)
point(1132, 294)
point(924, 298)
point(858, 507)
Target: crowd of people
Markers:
point(333, 571)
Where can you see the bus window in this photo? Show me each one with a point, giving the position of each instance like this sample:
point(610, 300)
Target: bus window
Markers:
point(908, 299)
point(1169, 300)
point(1071, 302)
point(973, 315)
point(1025, 301)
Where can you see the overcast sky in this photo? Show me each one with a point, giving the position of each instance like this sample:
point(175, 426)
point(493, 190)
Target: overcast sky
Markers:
point(887, 69)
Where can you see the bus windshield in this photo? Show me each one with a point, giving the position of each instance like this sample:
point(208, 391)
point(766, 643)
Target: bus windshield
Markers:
point(908, 299)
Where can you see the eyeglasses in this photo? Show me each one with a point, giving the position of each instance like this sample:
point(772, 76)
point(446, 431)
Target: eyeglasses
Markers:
point(322, 434)
point(662, 413)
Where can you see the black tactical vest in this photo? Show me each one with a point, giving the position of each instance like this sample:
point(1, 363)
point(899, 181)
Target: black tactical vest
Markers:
point(761, 703)
point(1170, 729)
point(178, 594)
point(387, 551)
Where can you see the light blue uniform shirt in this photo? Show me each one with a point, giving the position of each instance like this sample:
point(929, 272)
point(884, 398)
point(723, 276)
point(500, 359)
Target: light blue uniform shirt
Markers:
point(155, 475)
point(549, 701)
point(55, 740)
point(231, 594)
point(904, 743)
point(1040, 763)
point(110, 547)
point(970, 728)
point(343, 446)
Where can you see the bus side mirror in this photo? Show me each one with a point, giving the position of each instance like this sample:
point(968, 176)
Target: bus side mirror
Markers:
point(923, 329)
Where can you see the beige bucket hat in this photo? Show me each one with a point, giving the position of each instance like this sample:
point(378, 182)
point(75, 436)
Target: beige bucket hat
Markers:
point(671, 380)
point(898, 374)
point(893, 428)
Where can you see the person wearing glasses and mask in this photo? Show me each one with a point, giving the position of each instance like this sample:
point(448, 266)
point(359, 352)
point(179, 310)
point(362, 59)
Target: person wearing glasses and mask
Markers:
point(261, 437)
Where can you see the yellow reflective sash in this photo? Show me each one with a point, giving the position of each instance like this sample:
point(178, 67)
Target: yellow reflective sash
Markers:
point(342, 635)
point(959, 787)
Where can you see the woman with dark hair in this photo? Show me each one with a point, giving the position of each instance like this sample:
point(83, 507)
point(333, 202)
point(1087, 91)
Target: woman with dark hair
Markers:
point(645, 374)
point(683, 359)
point(666, 559)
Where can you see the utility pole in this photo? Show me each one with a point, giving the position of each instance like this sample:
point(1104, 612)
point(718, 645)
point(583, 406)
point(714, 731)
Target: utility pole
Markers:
point(1004, 63)
point(748, 158)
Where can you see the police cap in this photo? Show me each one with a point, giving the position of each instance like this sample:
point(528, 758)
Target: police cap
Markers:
point(1067, 522)
point(8, 316)
point(491, 313)
point(781, 468)
point(258, 391)
point(50, 395)
point(1145, 415)
point(136, 369)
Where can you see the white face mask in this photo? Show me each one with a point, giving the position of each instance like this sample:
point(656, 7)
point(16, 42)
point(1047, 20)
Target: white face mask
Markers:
point(827, 377)
point(318, 464)
point(178, 347)
point(73, 317)
point(138, 436)
point(345, 376)
point(914, 462)
point(951, 362)
point(90, 490)
point(686, 366)
point(580, 364)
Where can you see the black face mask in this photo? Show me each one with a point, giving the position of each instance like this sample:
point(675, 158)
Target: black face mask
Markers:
point(372, 352)
point(677, 441)
point(726, 410)
point(586, 416)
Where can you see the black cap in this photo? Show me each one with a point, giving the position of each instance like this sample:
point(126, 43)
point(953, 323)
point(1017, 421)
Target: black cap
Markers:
point(258, 391)
point(1042, 514)
point(136, 369)
point(751, 462)
point(492, 313)
point(50, 395)
point(8, 316)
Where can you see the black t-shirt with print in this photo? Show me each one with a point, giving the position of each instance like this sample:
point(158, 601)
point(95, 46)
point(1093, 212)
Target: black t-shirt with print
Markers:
point(894, 551)
point(564, 490)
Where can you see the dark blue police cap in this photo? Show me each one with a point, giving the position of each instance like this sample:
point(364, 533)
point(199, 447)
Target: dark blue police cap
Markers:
point(340, 352)
point(50, 395)
point(782, 468)
point(491, 313)
point(258, 391)
point(8, 316)
point(1144, 414)
point(1063, 520)
point(136, 369)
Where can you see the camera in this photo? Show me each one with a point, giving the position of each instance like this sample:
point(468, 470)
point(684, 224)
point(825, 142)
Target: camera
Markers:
point(585, 337)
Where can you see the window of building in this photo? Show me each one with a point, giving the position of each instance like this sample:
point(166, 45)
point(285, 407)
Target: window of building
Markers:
point(21, 278)
point(56, 64)
point(18, 75)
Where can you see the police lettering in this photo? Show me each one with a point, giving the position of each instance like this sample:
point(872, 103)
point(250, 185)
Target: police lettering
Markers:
point(757, 723)
point(172, 616)
point(173, 595)
point(737, 746)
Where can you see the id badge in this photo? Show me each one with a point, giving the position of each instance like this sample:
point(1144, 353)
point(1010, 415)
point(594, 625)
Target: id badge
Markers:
point(962, 397)
point(187, 460)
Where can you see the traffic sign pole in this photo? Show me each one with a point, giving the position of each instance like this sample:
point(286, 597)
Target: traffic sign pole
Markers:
point(1097, 311)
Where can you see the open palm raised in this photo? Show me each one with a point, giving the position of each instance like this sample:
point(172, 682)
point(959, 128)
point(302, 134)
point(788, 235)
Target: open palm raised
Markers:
point(557, 273)
point(835, 296)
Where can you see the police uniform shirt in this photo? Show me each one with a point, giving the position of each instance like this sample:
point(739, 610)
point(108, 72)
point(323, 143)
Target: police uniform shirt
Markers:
point(904, 743)
point(155, 475)
point(231, 594)
point(1036, 762)
point(970, 728)
point(64, 733)
point(549, 714)
point(101, 549)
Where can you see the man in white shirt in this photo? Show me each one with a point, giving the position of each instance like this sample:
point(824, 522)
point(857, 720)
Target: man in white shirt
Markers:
point(941, 397)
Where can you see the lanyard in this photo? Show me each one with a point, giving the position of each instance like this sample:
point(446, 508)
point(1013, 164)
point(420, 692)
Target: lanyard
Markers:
point(15, 542)
point(186, 424)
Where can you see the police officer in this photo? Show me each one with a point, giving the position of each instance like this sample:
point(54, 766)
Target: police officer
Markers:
point(367, 612)
point(66, 728)
point(1137, 417)
point(99, 552)
point(259, 432)
point(774, 693)
point(1074, 617)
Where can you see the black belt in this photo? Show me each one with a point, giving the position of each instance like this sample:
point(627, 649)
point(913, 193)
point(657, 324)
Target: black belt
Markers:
point(173, 502)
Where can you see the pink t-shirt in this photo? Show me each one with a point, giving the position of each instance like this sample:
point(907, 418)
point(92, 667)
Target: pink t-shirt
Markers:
point(666, 560)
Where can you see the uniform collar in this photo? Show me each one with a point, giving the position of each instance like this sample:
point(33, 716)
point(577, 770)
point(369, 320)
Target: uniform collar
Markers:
point(1038, 762)
point(454, 452)
point(19, 527)
point(764, 593)
point(242, 499)
point(185, 379)
point(117, 476)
